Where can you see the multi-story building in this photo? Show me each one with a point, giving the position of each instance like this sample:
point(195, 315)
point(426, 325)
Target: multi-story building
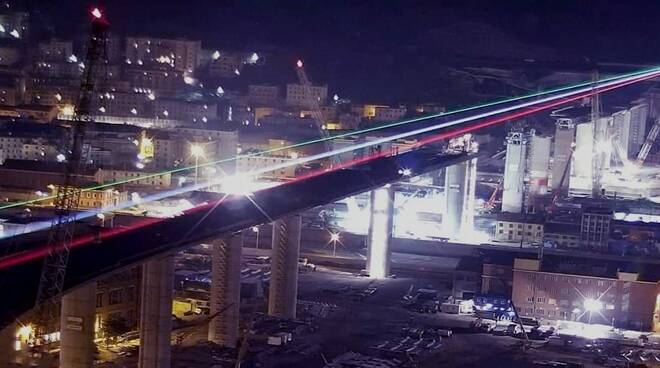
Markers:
point(15, 25)
point(296, 94)
point(386, 113)
point(178, 54)
point(562, 235)
point(516, 227)
point(246, 164)
point(622, 300)
point(39, 175)
point(160, 82)
point(192, 111)
point(98, 198)
point(496, 279)
point(56, 51)
point(226, 64)
point(595, 228)
point(263, 94)
point(117, 298)
point(154, 180)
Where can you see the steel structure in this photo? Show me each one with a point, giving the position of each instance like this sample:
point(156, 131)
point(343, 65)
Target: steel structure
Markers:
point(648, 143)
point(68, 194)
point(315, 108)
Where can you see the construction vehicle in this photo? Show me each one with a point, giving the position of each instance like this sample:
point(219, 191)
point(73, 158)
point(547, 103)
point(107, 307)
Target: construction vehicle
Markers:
point(315, 109)
point(67, 196)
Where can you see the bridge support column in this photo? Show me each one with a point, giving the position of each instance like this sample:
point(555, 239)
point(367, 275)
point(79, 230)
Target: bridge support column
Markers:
point(156, 313)
point(7, 348)
point(283, 292)
point(77, 318)
point(380, 232)
point(226, 290)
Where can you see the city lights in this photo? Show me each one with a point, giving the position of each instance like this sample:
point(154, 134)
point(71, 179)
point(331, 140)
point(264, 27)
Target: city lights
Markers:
point(68, 110)
point(197, 151)
point(96, 13)
point(334, 239)
point(592, 305)
point(238, 184)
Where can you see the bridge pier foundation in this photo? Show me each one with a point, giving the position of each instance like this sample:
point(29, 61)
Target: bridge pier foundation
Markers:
point(156, 313)
point(7, 351)
point(78, 312)
point(226, 290)
point(379, 237)
point(283, 292)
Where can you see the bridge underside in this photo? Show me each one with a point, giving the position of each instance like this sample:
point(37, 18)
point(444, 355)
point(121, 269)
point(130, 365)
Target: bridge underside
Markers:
point(112, 251)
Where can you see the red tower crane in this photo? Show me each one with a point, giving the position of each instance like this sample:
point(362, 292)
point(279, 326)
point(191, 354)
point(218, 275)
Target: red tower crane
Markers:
point(67, 196)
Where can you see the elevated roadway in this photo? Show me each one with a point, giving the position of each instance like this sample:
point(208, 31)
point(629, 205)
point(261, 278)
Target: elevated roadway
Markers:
point(95, 255)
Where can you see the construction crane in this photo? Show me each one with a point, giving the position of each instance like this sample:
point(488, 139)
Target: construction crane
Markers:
point(315, 109)
point(648, 144)
point(493, 197)
point(67, 195)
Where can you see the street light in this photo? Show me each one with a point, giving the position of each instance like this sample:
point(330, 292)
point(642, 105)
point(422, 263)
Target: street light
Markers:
point(255, 229)
point(591, 306)
point(334, 239)
point(196, 151)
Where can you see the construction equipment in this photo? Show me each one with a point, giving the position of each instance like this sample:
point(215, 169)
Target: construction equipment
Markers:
point(648, 144)
point(68, 194)
point(315, 109)
point(493, 197)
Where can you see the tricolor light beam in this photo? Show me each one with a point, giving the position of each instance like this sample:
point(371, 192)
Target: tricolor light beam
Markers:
point(348, 134)
point(561, 99)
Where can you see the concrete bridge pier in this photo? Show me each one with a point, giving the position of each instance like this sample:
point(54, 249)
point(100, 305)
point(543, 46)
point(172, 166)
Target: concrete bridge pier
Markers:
point(78, 312)
point(156, 313)
point(7, 352)
point(379, 237)
point(226, 290)
point(283, 292)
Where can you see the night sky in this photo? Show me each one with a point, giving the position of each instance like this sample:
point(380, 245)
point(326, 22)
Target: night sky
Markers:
point(388, 43)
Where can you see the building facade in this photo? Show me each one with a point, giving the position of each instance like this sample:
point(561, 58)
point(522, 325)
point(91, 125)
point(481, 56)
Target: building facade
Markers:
point(622, 301)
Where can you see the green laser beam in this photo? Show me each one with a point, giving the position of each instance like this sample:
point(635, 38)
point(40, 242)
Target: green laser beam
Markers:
point(343, 135)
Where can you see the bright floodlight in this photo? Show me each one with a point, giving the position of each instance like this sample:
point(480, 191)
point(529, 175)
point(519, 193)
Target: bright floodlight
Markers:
point(299, 63)
point(237, 184)
point(405, 172)
point(96, 13)
point(334, 237)
point(255, 229)
point(592, 305)
point(60, 158)
point(197, 150)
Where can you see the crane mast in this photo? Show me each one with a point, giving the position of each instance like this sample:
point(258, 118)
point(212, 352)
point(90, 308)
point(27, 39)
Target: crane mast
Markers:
point(648, 143)
point(313, 105)
point(67, 195)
